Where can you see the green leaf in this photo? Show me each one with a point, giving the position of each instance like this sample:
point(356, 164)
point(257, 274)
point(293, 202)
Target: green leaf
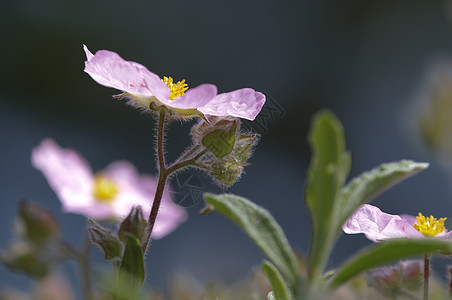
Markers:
point(262, 228)
point(386, 252)
point(368, 185)
point(279, 288)
point(132, 265)
point(330, 165)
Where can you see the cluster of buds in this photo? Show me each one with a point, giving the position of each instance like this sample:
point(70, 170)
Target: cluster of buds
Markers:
point(32, 253)
point(229, 148)
point(392, 280)
point(111, 244)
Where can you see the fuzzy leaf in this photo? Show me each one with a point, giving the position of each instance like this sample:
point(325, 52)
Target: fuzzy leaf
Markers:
point(386, 252)
point(368, 185)
point(330, 164)
point(279, 288)
point(262, 228)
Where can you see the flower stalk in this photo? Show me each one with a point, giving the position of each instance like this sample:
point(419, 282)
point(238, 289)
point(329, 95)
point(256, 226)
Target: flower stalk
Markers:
point(164, 173)
point(426, 274)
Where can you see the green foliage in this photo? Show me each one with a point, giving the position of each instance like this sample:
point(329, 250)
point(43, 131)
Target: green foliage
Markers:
point(279, 288)
point(329, 202)
point(131, 269)
point(27, 259)
point(386, 252)
point(330, 164)
point(261, 227)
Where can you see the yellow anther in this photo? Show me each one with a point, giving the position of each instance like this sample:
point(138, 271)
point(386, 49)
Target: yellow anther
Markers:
point(176, 89)
point(429, 226)
point(104, 189)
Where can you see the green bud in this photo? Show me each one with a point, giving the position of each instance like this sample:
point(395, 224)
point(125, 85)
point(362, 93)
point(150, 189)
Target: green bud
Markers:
point(134, 224)
point(220, 142)
point(226, 172)
point(25, 258)
point(244, 147)
point(40, 225)
point(110, 245)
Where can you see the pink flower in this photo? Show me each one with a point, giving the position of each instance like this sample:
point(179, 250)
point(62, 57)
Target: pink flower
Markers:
point(144, 88)
point(379, 226)
point(108, 194)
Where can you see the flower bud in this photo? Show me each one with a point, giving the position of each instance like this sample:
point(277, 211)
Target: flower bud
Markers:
point(133, 224)
point(244, 147)
point(386, 280)
point(231, 148)
point(25, 258)
point(412, 272)
point(226, 172)
point(220, 142)
point(39, 224)
point(110, 245)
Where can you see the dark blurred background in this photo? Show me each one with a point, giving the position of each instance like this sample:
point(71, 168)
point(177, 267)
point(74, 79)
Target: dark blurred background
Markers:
point(368, 61)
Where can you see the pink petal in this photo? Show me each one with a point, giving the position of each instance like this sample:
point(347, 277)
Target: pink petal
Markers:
point(93, 210)
point(445, 235)
point(67, 172)
point(170, 215)
point(139, 190)
point(109, 69)
point(244, 103)
point(377, 225)
point(195, 97)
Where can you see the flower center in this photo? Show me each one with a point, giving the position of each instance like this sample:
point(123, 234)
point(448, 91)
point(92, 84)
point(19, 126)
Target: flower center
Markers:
point(104, 189)
point(429, 226)
point(176, 89)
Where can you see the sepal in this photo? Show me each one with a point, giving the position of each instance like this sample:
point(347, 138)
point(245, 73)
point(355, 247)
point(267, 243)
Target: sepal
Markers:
point(110, 245)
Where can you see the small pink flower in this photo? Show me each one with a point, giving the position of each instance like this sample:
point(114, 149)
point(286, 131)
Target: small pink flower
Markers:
point(108, 194)
point(143, 88)
point(378, 226)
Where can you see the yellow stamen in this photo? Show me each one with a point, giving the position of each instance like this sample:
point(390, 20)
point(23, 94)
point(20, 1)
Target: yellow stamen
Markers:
point(429, 226)
point(176, 89)
point(104, 189)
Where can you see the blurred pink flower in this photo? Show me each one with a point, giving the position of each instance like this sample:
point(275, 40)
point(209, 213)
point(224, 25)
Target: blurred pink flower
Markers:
point(108, 194)
point(143, 88)
point(378, 226)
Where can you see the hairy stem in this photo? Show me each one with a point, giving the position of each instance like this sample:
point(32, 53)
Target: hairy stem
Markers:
point(154, 210)
point(160, 150)
point(189, 153)
point(186, 163)
point(426, 274)
point(161, 183)
point(164, 172)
